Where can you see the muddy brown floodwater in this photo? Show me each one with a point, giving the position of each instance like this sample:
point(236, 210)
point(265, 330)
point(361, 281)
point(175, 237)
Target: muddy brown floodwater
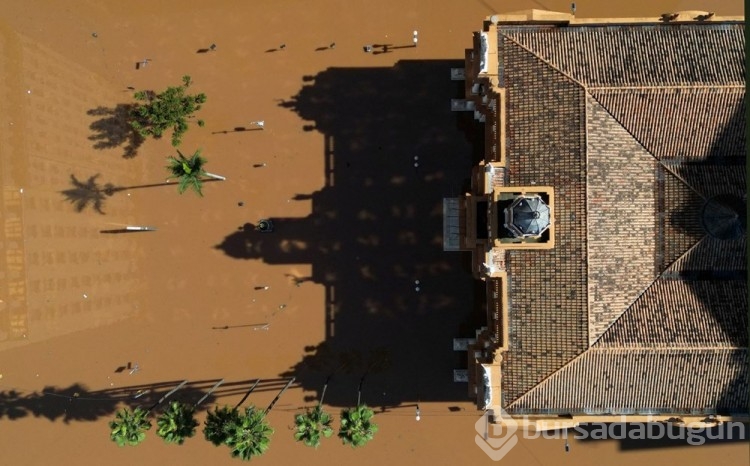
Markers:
point(355, 226)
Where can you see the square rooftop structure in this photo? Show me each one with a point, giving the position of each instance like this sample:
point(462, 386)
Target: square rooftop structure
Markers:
point(638, 125)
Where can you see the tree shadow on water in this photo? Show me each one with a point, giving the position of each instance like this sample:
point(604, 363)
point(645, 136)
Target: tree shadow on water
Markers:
point(85, 193)
point(77, 403)
point(113, 130)
point(89, 192)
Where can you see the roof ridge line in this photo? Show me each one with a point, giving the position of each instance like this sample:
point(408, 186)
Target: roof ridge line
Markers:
point(687, 251)
point(670, 348)
point(546, 62)
point(700, 194)
point(645, 290)
point(673, 86)
point(644, 147)
point(546, 379)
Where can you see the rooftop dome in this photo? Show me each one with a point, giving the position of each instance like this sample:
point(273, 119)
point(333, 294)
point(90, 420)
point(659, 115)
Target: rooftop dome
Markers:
point(724, 217)
point(527, 216)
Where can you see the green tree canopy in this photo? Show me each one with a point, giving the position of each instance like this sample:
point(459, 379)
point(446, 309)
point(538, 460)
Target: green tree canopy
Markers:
point(357, 427)
point(311, 425)
point(129, 427)
point(250, 436)
point(188, 171)
point(157, 113)
point(177, 423)
point(220, 424)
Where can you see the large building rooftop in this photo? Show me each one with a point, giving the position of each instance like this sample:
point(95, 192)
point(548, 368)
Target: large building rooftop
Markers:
point(641, 306)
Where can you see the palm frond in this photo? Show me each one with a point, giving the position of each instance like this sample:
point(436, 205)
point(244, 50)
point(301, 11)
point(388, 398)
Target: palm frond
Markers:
point(251, 436)
point(188, 171)
point(129, 427)
point(177, 423)
point(357, 428)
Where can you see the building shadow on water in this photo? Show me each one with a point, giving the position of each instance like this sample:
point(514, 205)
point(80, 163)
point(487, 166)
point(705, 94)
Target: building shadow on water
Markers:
point(392, 151)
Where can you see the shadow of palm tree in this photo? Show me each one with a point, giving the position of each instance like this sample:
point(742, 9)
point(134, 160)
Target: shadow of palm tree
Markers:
point(77, 403)
point(113, 129)
point(87, 193)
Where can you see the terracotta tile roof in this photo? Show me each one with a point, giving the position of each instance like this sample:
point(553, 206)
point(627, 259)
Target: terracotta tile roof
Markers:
point(656, 380)
point(622, 194)
point(632, 271)
point(687, 129)
point(681, 124)
point(712, 254)
point(645, 55)
point(679, 313)
point(679, 208)
point(710, 179)
point(548, 322)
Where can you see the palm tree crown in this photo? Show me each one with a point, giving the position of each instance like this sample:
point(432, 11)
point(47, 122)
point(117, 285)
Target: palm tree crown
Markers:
point(311, 425)
point(250, 436)
point(188, 170)
point(357, 427)
point(220, 423)
point(177, 423)
point(129, 427)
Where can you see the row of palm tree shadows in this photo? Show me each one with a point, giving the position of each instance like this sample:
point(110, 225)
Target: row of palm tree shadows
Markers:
point(78, 403)
point(92, 194)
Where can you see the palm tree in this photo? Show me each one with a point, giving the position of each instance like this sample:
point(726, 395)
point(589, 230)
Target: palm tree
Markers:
point(357, 427)
point(220, 423)
point(177, 423)
point(311, 425)
point(189, 171)
point(129, 427)
point(314, 423)
point(246, 434)
point(249, 435)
